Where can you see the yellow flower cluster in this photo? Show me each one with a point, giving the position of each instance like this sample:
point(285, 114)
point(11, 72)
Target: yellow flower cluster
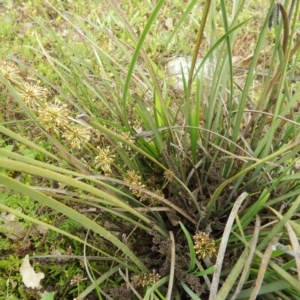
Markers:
point(204, 245)
point(133, 178)
point(10, 73)
point(145, 279)
point(54, 116)
point(52, 113)
point(104, 159)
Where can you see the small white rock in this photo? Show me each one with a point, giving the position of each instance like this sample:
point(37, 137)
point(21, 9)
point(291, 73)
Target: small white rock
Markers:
point(180, 65)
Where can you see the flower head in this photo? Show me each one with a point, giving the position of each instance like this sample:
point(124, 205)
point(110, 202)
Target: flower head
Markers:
point(133, 178)
point(77, 279)
point(204, 245)
point(10, 72)
point(33, 94)
point(54, 115)
point(76, 135)
point(104, 159)
point(145, 279)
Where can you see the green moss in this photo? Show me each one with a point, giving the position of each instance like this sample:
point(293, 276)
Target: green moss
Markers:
point(21, 203)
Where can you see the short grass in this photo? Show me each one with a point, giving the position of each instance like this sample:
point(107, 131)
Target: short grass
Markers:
point(119, 186)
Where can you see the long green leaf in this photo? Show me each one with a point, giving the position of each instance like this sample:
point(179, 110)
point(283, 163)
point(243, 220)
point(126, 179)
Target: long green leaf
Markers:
point(217, 192)
point(191, 248)
point(62, 232)
point(21, 167)
point(72, 214)
point(278, 227)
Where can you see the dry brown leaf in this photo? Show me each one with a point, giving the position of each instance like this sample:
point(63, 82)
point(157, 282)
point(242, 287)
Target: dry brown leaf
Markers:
point(13, 230)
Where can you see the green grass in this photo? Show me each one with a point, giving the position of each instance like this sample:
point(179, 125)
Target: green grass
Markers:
point(146, 192)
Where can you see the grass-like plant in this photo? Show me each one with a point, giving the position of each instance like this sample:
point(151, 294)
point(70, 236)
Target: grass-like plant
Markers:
point(179, 193)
